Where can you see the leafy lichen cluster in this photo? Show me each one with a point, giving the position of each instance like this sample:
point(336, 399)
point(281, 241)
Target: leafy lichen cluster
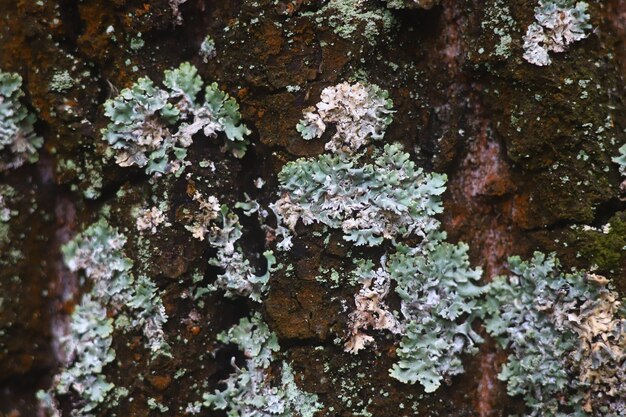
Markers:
point(239, 277)
point(360, 113)
point(348, 18)
point(439, 295)
point(388, 199)
point(98, 251)
point(567, 336)
point(18, 141)
point(412, 4)
point(369, 202)
point(253, 390)
point(621, 161)
point(152, 127)
point(558, 24)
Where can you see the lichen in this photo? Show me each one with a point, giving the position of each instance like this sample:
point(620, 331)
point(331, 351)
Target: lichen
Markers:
point(207, 49)
point(369, 202)
point(239, 277)
point(18, 141)
point(412, 4)
point(61, 82)
point(558, 24)
point(151, 127)
point(621, 161)
point(371, 311)
point(439, 301)
point(98, 251)
point(253, 390)
point(149, 220)
point(347, 18)
point(175, 5)
point(360, 113)
point(567, 338)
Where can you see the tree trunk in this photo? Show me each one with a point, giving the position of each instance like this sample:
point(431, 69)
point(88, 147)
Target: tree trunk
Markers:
point(527, 151)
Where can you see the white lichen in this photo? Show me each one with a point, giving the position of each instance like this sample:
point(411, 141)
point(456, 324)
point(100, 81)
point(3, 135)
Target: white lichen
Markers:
point(175, 5)
point(203, 220)
point(559, 23)
point(371, 311)
point(150, 219)
point(360, 113)
point(621, 161)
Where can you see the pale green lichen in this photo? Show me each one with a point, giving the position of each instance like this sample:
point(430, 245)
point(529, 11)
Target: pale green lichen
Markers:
point(348, 18)
point(239, 277)
point(412, 4)
point(151, 127)
point(499, 21)
point(61, 82)
point(253, 390)
point(369, 202)
point(567, 338)
point(18, 141)
point(98, 251)
point(621, 161)
point(440, 300)
point(559, 23)
point(207, 49)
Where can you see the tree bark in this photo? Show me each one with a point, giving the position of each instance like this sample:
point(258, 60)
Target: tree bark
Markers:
point(527, 150)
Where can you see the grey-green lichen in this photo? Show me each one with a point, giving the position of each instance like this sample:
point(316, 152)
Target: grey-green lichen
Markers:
point(567, 336)
point(98, 251)
point(498, 20)
point(370, 202)
point(152, 127)
point(621, 161)
point(207, 49)
point(221, 227)
point(440, 300)
point(347, 18)
point(412, 4)
point(253, 390)
point(558, 24)
point(61, 82)
point(18, 141)
point(239, 277)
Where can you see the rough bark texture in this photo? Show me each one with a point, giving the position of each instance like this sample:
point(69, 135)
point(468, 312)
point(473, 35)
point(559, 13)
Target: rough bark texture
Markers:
point(515, 140)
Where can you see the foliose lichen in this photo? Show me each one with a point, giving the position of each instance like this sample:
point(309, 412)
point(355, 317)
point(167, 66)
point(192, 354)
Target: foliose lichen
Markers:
point(359, 112)
point(150, 219)
point(371, 311)
point(348, 18)
point(239, 277)
point(221, 227)
point(621, 161)
point(567, 336)
point(98, 251)
point(369, 202)
point(559, 23)
point(440, 300)
point(18, 141)
point(152, 127)
point(254, 390)
point(412, 4)
point(207, 49)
